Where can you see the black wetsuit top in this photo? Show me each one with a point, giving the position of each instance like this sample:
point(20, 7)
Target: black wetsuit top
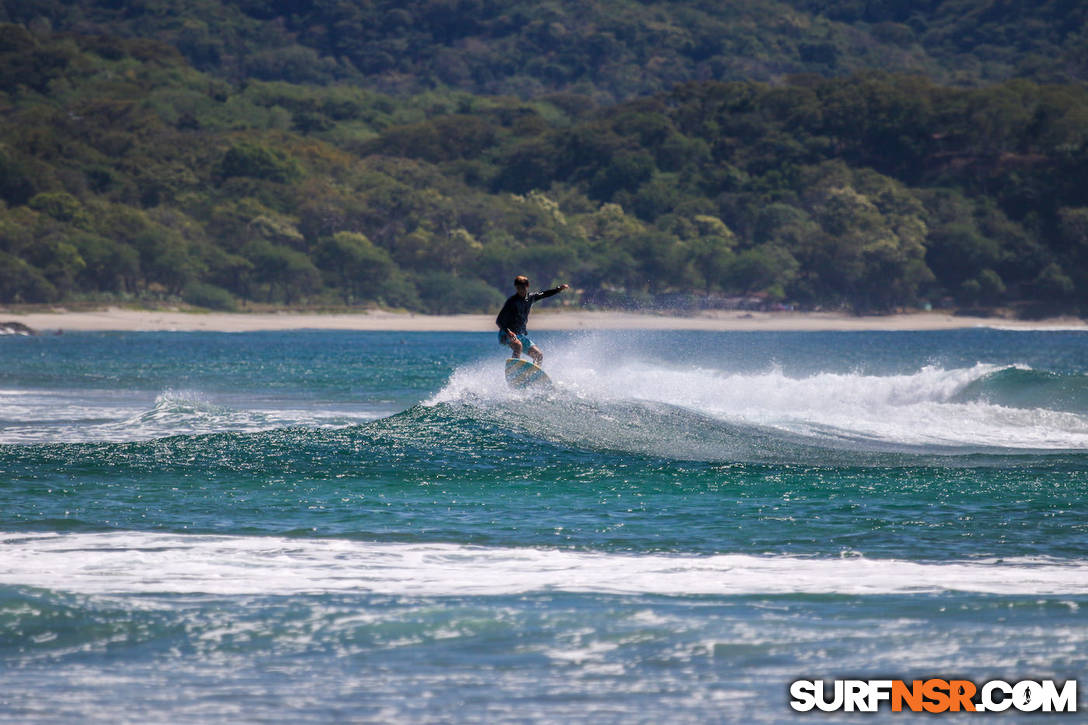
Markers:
point(515, 313)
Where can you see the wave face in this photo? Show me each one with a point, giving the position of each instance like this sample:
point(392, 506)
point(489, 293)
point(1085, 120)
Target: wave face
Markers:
point(1024, 388)
point(695, 411)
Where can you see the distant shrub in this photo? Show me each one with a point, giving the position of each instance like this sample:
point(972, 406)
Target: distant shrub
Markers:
point(201, 294)
point(259, 162)
point(60, 205)
point(16, 182)
point(23, 282)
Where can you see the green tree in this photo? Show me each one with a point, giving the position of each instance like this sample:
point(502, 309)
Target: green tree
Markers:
point(16, 182)
point(22, 282)
point(359, 270)
point(441, 292)
point(110, 266)
point(61, 206)
point(288, 273)
point(231, 271)
point(957, 251)
point(168, 260)
point(258, 162)
point(625, 172)
point(1053, 285)
point(766, 268)
point(59, 262)
point(870, 250)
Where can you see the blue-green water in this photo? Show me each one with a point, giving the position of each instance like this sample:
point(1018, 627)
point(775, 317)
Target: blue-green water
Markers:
point(345, 527)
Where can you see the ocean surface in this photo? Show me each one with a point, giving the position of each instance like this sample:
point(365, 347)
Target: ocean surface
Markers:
point(370, 527)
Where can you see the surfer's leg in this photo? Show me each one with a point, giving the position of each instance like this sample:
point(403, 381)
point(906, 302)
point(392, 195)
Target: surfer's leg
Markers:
point(514, 343)
point(536, 354)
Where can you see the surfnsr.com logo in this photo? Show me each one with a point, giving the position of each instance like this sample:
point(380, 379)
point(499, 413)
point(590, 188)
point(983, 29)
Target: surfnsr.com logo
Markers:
point(933, 695)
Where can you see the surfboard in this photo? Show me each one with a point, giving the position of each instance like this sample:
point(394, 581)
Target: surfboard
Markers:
point(524, 374)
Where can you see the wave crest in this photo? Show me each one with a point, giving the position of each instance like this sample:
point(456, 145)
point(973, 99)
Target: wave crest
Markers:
point(983, 408)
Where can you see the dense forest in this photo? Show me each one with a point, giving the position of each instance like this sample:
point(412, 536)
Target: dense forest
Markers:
point(610, 50)
point(419, 154)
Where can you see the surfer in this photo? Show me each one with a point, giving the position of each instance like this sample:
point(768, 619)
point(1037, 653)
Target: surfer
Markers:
point(514, 317)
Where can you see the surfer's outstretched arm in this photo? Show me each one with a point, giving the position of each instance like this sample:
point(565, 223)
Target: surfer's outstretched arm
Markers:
point(549, 292)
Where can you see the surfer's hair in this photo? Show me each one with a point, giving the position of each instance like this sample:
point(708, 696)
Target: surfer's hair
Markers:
point(521, 279)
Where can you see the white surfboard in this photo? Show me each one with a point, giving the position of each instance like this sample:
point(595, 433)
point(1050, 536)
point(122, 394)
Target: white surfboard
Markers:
point(524, 374)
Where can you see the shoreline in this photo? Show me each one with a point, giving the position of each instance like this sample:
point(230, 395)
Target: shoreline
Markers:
point(122, 320)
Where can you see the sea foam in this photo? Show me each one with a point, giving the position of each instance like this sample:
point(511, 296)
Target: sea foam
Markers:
point(922, 409)
point(77, 416)
point(158, 563)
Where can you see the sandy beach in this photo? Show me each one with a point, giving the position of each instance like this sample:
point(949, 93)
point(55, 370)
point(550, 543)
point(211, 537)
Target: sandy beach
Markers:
point(177, 320)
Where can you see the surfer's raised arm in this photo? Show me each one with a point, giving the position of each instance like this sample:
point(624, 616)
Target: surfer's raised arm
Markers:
point(513, 318)
point(549, 292)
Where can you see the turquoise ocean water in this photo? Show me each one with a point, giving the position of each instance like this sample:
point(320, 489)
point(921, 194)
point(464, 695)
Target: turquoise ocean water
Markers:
point(370, 527)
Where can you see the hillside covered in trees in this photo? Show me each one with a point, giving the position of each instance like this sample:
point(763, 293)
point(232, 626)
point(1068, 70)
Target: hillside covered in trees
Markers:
point(610, 50)
point(862, 155)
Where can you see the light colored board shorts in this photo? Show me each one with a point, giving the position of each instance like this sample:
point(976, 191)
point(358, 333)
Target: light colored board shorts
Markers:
point(526, 343)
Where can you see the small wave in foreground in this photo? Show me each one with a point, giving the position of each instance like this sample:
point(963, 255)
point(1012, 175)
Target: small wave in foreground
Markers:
point(156, 563)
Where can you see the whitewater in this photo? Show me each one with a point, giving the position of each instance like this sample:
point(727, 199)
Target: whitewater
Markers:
point(931, 407)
